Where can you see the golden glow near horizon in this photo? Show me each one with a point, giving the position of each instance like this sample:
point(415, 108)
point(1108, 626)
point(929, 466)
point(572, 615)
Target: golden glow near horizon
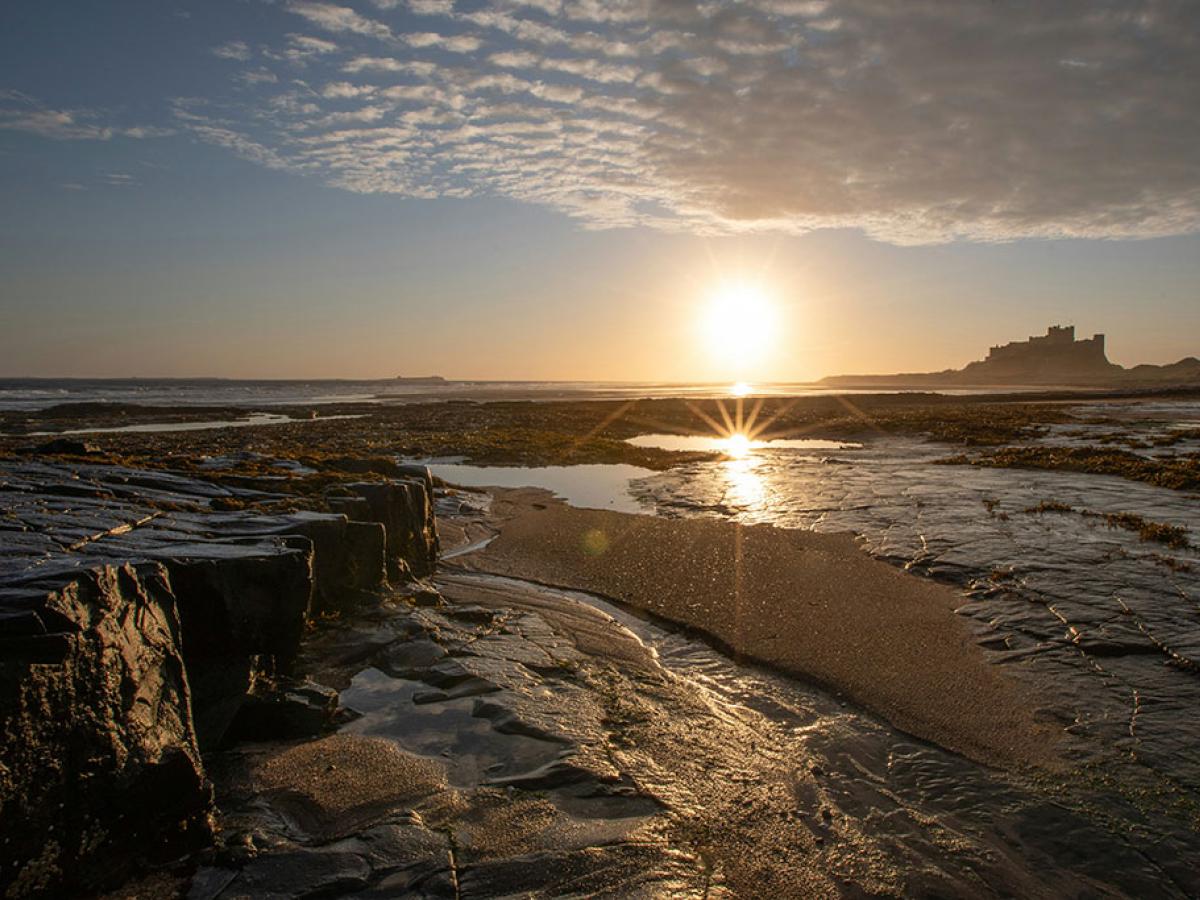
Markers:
point(739, 325)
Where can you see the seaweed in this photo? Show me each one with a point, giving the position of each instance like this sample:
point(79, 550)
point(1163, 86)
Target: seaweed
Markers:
point(1174, 536)
point(1050, 506)
point(1175, 565)
point(1181, 472)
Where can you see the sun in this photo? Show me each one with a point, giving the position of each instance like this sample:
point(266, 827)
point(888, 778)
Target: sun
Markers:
point(739, 322)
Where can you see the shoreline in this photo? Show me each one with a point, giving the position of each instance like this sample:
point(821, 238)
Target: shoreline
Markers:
point(547, 432)
point(790, 601)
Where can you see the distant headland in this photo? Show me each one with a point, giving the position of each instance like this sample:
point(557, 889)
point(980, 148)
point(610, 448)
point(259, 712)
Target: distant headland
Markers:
point(1055, 358)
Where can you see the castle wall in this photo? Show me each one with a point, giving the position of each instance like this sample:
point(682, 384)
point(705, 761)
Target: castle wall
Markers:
point(1056, 353)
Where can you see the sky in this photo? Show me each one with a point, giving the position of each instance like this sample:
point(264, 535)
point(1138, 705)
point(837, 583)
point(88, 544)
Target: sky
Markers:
point(558, 189)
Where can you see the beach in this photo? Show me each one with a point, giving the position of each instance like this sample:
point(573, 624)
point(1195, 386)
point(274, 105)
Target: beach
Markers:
point(811, 605)
point(841, 663)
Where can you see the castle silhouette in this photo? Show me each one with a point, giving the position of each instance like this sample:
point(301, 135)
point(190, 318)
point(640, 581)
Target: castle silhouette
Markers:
point(1053, 358)
point(1056, 354)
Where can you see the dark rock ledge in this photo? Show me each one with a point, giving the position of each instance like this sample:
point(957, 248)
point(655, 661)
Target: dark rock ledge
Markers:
point(144, 618)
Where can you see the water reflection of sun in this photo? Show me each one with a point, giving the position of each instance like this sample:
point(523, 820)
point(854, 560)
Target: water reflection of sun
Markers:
point(737, 445)
point(745, 489)
point(737, 435)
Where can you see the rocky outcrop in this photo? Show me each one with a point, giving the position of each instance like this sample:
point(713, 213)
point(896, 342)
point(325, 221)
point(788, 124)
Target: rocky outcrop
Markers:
point(242, 617)
point(145, 623)
point(98, 753)
point(349, 557)
point(405, 509)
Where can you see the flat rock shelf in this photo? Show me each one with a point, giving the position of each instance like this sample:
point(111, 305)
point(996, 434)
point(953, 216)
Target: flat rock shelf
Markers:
point(147, 618)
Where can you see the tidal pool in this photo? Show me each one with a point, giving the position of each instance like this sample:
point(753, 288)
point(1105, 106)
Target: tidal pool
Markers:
point(587, 486)
point(736, 445)
point(250, 421)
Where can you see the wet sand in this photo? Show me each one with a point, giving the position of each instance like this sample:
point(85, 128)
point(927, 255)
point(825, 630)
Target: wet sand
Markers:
point(809, 604)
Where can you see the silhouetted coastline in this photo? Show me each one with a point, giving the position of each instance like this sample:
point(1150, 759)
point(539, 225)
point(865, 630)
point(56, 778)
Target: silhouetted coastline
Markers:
point(1053, 359)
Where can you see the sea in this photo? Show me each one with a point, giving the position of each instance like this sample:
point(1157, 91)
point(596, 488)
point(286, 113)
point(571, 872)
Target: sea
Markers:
point(30, 394)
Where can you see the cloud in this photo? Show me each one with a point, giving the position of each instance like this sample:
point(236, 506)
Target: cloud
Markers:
point(303, 47)
point(431, 7)
point(794, 7)
point(608, 10)
point(338, 19)
point(530, 30)
point(239, 144)
point(57, 124)
point(514, 59)
point(340, 90)
point(459, 43)
point(20, 112)
point(914, 122)
point(258, 76)
point(238, 50)
point(550, 7)
point(593, 70)
point(138, 132)
point(388, 64)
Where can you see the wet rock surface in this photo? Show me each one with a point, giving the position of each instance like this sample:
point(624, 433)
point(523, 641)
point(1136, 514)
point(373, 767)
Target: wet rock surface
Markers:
point(98, 755)
point(546, 744)
point(405, 509)
point(143, 614)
